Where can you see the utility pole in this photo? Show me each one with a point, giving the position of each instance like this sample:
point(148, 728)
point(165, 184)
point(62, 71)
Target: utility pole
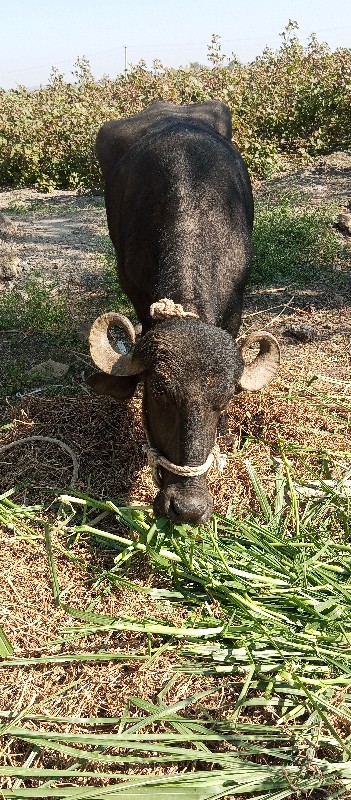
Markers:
point(125, 62)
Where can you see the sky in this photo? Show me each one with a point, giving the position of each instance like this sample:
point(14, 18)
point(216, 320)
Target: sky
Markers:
point(36, 35)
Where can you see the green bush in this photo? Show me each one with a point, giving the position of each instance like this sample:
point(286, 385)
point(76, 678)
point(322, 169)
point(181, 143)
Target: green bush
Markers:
point(292, 242)
point(36, 309)
point(287, 105)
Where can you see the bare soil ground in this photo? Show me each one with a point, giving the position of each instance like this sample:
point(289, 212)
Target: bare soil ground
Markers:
point(59, 235)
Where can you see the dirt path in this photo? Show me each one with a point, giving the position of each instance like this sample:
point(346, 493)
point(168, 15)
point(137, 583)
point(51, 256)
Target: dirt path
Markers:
point(57, 235)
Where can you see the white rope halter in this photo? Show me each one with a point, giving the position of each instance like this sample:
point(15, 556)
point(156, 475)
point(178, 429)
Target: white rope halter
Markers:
point(164, 309)
point(156, 459)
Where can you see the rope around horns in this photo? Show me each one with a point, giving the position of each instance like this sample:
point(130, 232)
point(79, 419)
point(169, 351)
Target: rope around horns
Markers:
point(166, 308)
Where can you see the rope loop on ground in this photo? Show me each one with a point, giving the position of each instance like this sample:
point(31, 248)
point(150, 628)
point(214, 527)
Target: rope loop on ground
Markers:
point(52, 440)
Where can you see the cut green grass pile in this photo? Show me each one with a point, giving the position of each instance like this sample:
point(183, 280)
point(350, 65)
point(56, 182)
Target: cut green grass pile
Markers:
point(279, 580)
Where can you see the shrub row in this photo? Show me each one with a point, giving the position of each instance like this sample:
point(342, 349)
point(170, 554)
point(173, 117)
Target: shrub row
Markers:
point(289, 104)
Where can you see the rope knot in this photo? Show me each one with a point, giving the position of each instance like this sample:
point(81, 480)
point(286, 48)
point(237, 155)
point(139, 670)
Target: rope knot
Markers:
point(166, 308)
point(219, 459)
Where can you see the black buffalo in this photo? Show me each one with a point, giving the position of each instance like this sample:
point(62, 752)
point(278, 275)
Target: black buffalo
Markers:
point(180, 214)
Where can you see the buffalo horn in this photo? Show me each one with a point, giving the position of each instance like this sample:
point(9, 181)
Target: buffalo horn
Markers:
point(264, 367)
point(104, 356)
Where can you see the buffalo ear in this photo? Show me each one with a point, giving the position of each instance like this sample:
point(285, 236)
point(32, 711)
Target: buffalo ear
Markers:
point(118, 387)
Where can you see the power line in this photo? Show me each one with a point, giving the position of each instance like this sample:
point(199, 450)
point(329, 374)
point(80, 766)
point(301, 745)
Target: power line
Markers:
point(183, 45)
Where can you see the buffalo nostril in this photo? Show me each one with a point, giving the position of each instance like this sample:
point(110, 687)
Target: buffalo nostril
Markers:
point(188, 510)
point(172, 512)
point(183, 509)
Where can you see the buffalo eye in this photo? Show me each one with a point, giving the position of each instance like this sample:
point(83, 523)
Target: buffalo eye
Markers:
point(218, 409)
point(158, 390)
point(221, 403)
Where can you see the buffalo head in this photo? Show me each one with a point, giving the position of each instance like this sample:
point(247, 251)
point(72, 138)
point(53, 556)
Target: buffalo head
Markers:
point(190, 371)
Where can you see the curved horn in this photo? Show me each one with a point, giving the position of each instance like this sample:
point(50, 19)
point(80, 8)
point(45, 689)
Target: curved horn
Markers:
point(104, 356)
point(264, 367)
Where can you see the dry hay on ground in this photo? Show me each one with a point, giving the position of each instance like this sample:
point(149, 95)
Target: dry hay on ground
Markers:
point(107, 440)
